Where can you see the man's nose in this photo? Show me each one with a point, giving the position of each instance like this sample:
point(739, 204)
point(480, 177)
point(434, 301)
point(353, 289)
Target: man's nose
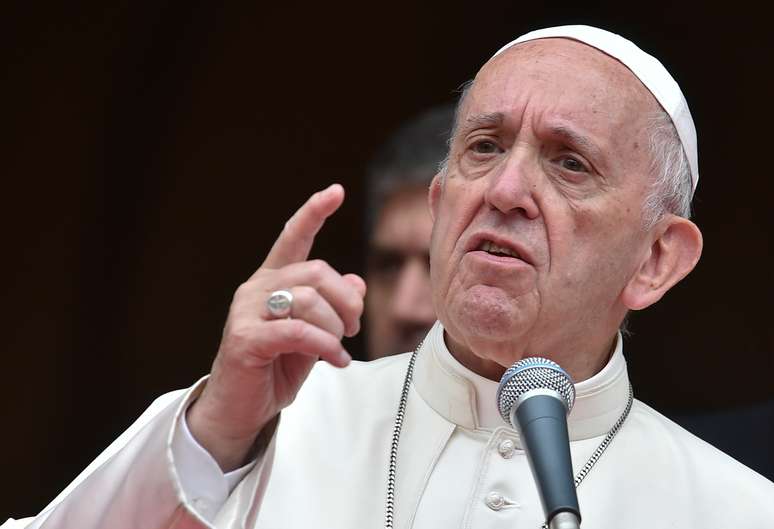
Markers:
point(512, 186)
point(412, 299)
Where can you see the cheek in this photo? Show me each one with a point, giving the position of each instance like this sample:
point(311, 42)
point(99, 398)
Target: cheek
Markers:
point(459, 203)
point(376, 298)
point(455, 213)
point(584, 224)
point(599, 221)
point(439, 258)
point(449, 242)
point(599, 249)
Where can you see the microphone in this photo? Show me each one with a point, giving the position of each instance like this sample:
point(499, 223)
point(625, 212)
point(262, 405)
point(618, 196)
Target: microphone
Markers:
point(534, 396)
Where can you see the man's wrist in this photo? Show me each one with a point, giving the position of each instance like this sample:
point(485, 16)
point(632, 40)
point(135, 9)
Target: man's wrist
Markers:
point(228, 452)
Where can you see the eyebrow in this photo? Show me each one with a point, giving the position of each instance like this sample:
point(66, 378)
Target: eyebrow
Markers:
point(575, 138)
point(493, 119)
point(568, 134)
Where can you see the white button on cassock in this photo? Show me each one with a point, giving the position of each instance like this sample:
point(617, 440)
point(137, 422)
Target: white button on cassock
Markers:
point(506, 448)
point(202, 505)
point(495, 501)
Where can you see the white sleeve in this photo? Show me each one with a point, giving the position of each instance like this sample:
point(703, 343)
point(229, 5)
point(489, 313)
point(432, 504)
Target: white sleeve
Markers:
point(132, 483)
point(201, 479)
point(156, 475)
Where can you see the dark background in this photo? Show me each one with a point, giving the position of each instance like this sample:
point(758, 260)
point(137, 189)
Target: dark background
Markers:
point(153, 150)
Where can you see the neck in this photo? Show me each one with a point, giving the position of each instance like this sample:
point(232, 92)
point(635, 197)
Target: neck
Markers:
point(579, 366)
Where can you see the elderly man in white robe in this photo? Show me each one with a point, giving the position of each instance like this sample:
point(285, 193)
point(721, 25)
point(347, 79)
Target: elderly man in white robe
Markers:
point(562, 206)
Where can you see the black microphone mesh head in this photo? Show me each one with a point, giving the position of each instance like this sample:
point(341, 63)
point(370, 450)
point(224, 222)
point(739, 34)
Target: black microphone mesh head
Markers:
point(533, 373)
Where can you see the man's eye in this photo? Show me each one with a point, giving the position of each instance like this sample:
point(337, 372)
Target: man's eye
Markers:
point(572, 164)
point(385, 263)
point(485, 147)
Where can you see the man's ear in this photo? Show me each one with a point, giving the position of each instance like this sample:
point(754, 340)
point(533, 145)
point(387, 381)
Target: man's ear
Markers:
point(434, 194)
point(672, 255)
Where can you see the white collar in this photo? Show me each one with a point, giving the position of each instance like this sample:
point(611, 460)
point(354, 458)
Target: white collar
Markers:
point(469, 400)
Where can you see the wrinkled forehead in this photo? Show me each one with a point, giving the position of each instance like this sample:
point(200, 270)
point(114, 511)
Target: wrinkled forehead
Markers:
point(559, 52)
point(562, 79)
point(649, 70)
point(566, 66)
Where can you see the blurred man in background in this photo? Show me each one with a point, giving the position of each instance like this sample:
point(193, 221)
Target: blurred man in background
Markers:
point(399, 306)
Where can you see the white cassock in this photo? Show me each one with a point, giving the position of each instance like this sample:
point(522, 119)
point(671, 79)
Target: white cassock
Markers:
point(458, 464)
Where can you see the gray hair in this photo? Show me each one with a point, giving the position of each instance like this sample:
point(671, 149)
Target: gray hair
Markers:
point(671, 189)
point(464, 90)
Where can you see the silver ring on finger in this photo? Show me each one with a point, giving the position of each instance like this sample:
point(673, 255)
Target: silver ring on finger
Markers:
point(280, 303)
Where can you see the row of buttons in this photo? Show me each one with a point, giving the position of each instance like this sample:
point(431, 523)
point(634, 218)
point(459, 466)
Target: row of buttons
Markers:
point(494, 500)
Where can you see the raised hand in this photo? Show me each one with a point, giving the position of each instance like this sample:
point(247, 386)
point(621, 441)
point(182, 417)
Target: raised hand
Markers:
point(262, 361)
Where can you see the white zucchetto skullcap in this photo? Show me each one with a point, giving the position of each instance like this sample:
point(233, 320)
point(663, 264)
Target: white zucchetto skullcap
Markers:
point(647, 68)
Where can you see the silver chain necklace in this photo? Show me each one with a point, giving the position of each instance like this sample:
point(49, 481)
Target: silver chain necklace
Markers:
point(389, 515)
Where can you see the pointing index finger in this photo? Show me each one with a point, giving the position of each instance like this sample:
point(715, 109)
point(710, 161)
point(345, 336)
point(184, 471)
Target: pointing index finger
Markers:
point(295, 242)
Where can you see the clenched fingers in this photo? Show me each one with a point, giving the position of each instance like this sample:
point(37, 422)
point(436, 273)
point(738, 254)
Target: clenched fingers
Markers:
point(343, 293)
point(309, 305)
point(269, 339)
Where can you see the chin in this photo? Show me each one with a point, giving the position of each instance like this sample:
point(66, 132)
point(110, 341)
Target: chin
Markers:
point(487, 325)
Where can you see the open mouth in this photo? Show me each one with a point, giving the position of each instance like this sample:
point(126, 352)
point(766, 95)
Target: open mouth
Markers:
point(494, 249)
